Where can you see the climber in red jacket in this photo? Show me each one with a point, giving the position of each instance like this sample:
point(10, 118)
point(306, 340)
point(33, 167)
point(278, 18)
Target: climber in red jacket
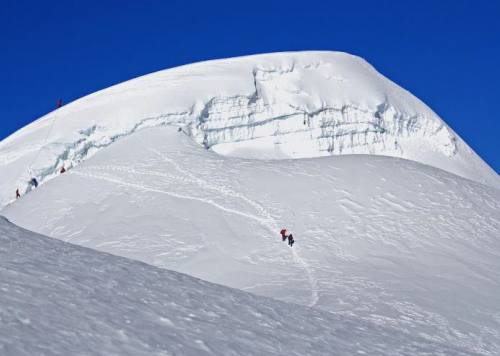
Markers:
point(284, 234)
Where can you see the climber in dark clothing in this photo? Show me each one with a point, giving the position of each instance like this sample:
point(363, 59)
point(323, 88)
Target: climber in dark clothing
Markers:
point(34, 182)
point(290, 240)
point(18, 195)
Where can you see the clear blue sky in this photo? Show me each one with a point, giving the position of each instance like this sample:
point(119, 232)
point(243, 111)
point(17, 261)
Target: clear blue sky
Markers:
point(445, 52)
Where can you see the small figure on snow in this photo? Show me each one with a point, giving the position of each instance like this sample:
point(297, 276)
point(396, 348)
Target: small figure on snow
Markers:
point(18, 195)
point(290, 240)
point(62, 170)
point(284, 234)
point(34, 182)
point(59, 103)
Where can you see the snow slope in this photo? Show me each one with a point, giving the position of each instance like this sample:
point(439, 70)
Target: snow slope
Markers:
point(382, 240)
point(61, 299)
point(304, 104)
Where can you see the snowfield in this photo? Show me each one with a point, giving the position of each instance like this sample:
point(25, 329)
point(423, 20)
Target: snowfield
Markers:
point(385, 240)
point(196, 169)
point(280, 105)
point(61, 299)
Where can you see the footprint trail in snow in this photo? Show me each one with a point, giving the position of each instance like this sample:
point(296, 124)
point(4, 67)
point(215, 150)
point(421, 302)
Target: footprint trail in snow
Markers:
point(264, 218)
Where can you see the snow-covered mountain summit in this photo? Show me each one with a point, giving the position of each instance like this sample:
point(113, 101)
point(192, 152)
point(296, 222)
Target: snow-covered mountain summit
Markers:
point(281, 105)
point(395, 242)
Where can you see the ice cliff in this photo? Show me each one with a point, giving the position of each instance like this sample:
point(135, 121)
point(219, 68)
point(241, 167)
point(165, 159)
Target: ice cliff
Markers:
point(281, 105)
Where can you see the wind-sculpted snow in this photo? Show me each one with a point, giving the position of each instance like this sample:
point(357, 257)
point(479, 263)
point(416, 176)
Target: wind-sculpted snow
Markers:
point(61, 299)
point(283, 105)
point(388, 241)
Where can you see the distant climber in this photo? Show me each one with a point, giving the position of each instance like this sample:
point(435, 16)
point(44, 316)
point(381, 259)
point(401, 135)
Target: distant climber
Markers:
point(59, 103)
point(34, 182)
point(205, 142)
point(284, 234)
point(18, 195)
point(290, 240)
point(62, 170)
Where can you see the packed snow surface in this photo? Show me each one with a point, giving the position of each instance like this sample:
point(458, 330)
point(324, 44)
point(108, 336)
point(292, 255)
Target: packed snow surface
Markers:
point(281, 105)
point(382, 240)
point(61, 299)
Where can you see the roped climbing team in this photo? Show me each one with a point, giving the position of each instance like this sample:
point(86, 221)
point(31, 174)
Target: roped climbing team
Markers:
point(285, 235)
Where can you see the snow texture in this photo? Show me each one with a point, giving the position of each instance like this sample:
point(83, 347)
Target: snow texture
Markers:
point(380, 240)
point(61, 299)
point(281, 105)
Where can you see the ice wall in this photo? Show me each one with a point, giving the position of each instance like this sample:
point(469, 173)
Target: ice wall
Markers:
point(273, 106)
